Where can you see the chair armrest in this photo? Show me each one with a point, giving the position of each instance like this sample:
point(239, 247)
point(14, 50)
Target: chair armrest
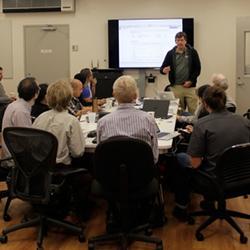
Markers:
point(7, 167)
point(69, 171)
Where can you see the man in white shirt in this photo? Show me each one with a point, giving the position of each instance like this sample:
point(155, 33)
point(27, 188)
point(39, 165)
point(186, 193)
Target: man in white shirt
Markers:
point(127, 120)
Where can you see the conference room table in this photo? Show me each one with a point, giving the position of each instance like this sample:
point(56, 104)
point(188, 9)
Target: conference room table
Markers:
point(165, 125)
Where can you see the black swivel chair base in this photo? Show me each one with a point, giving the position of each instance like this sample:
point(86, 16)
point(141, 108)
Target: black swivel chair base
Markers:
point(42, 222)
point(4, 194)
point(220, 213)
point(124, 239)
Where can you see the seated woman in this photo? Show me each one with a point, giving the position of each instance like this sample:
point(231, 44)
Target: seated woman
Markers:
point(200, 110)
point(89, 87)
point(59, 122)
point(40, 104)
point(71, 141)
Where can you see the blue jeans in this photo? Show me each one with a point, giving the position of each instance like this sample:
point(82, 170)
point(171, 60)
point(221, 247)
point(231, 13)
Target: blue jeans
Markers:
point(183, 160)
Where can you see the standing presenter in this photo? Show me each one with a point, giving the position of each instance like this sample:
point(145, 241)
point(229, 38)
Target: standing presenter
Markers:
point(182, 64)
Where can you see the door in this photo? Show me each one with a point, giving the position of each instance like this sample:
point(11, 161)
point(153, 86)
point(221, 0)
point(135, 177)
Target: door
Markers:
point(243, 64)
point(47, 52)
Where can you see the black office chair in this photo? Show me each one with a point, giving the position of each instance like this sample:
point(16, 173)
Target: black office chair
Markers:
point(3, 107)
point(33, 179)
point(232, 179)
point(167, 88)
point(232, 109)
point(124, 176)
point(247, 114)
point(5, 177)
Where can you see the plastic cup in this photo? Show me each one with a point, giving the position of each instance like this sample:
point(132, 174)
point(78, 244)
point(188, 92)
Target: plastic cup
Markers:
point(91, 117)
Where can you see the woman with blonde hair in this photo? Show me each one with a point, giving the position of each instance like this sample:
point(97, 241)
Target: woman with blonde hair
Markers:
point(58, 121)
point(71, 142)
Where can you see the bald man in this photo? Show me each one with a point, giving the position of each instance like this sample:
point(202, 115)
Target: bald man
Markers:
point(75, 107)
point(219, 80)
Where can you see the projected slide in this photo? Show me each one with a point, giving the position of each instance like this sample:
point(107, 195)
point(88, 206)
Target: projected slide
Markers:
point(144, 43)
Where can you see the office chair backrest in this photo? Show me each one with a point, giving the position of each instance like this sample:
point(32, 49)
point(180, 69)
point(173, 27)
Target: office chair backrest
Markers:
point(233, 167)
point(117, 152)
point(34, 152)
point(3, 107)
point(232, 109)
point(247, 114)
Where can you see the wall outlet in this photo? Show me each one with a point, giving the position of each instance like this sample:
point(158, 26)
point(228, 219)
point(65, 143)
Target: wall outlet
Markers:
point(74, 48)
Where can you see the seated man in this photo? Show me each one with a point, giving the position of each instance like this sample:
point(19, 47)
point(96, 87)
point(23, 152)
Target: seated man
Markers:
point(211, 135)
point(4, 99)
point(75, 107)
point(127, 120)
point(17, 113)
point(219, 80)
point(131, 122)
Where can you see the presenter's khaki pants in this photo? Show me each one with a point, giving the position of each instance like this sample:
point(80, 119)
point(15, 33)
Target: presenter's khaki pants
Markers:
point(187, 96)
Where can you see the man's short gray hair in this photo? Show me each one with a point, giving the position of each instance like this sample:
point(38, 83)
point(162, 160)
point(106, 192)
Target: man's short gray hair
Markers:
point(219, 80)
point(125, 89)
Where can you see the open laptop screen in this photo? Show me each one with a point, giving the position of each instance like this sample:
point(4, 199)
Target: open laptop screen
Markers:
point(160, 107)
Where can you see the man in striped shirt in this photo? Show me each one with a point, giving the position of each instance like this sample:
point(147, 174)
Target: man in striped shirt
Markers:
point(127, 120)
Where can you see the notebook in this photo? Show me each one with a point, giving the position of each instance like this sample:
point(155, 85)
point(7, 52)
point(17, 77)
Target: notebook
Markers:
point(160, 107)
point(159, 133)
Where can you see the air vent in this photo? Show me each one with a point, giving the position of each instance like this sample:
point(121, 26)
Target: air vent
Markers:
point(15, 6)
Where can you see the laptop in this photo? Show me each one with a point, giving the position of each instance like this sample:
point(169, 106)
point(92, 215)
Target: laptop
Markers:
point(166, 95)
point(160, 107)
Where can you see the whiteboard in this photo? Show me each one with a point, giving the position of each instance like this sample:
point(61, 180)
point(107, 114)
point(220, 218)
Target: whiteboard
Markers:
point(6, 56)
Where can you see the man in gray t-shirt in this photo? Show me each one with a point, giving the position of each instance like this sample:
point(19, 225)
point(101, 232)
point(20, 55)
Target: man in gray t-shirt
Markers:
point(212, 134)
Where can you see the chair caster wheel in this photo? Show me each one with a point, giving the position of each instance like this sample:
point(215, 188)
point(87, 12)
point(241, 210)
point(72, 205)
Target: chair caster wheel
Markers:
point(148, 232)
point(6, 217)
point(4, 239)
point(243, 239)
point(81, 238)
point(191, 221)
point(199, 236)
point(159, 247)
point(39, 246)
point(24, 219)
point(91, 246)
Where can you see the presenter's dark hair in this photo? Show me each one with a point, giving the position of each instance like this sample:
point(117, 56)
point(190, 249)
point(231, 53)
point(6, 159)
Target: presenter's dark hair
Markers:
point(215, 98)
point(27, 88)
point(1, 68)
point(180, 35)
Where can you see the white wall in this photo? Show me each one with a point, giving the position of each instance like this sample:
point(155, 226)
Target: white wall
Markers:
point(215, 32)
